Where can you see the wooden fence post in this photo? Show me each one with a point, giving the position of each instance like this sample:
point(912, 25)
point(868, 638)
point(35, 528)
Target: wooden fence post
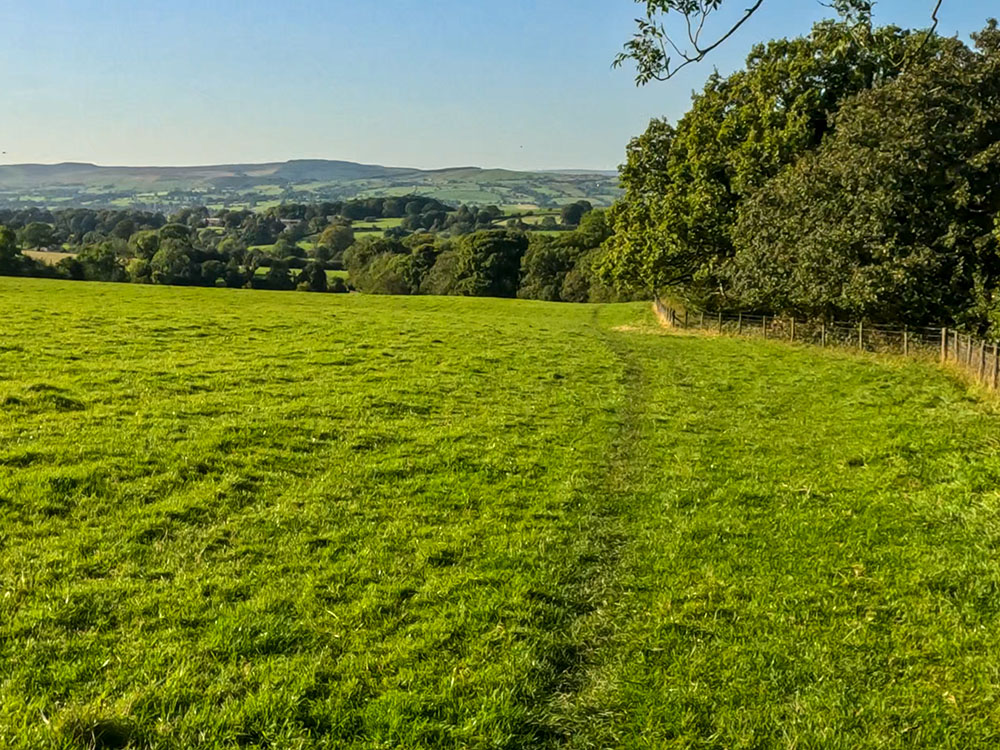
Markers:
point(792, 337)
point(764, 325)
point(996, 365)
point(906, 341)
point(720, 324)
point(822, 334)
point(739, 326)
point(685, 317)
point(982, 361)
point(944, 345)
point(861, 335)
point(701, 323)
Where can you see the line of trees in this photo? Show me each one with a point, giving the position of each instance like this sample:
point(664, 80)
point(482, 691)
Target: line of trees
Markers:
point(491, 263)
point(194, 247)
point(175, 255)
point(837, 175)
point(43, 228)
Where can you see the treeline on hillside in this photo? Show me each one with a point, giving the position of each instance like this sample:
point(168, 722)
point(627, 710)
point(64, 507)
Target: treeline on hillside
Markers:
point(43, 228)
point(196, 248)
point(177, 255)
point(851, 173)
point(492, 263)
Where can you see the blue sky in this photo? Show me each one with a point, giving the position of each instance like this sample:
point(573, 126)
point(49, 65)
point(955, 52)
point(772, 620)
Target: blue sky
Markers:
point(525, 84)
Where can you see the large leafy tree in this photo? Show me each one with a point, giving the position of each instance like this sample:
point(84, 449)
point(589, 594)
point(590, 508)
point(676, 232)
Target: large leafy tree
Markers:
point(37, 234)
point(684, 182)
point(893, 218)
point(337, 238)
point(488, 264)
point(8, 250)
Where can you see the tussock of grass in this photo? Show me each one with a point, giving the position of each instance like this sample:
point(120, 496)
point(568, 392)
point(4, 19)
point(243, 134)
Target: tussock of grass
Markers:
point(298, 521)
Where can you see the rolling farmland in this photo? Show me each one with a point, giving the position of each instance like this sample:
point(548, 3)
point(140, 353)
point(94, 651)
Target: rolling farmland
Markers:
point(305, 180)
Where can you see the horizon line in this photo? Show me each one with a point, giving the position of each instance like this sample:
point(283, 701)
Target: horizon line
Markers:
point(299, 159)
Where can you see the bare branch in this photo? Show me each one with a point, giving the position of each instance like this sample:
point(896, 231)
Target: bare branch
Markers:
point(649, 47)
point(931, 31)
point(746, 17)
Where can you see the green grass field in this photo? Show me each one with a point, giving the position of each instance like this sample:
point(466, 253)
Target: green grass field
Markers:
point(244, 519)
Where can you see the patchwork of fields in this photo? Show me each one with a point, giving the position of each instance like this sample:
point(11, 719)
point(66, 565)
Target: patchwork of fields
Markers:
point(255, 519)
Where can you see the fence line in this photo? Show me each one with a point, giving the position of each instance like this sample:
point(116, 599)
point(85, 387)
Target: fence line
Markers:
point(976, 358)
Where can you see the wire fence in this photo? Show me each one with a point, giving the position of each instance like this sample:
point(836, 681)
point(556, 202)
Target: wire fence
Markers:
point(975, 358)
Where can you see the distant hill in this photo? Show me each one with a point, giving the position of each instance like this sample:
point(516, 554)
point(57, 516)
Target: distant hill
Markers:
point(260, 185)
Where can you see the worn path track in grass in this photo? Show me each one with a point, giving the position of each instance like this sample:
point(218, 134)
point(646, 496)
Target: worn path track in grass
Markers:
point(811, 560)
point(566, 715)
point(242, 519)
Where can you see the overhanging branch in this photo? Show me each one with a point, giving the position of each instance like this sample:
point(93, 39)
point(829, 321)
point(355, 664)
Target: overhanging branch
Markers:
point(659, 57)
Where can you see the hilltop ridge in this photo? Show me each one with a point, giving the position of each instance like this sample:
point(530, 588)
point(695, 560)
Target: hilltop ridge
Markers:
point(253, 184)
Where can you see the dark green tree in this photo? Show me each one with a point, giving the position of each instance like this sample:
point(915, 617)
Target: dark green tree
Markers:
point(442, 278)
point(337, 238)
point(124, 229)
point(172, 264)
point(683, 183)
point(102, 262)
point(489, 263)
point(893, 218)
point(312, 278)
point(37, 234)
point(211, 272)
point(573, 213)
point(278, 276)
point(176, 231)
point(544, 268)
point(284, 249)
point(144, 244)
point(9, 254)
point(236, 276)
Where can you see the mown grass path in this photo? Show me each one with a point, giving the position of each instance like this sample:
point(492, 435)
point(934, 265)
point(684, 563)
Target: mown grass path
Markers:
point(812, 557)
point(276, 520)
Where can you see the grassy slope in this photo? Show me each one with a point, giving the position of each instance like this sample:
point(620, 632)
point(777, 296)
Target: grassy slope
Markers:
point(282, 520)
point(259, 517)
point(813, 563)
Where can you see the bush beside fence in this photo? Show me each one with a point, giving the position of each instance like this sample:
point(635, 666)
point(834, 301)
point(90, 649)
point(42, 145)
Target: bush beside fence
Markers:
point(976, 358)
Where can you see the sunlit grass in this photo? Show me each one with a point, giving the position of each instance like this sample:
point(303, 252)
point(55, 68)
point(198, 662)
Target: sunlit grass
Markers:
point(233, 518)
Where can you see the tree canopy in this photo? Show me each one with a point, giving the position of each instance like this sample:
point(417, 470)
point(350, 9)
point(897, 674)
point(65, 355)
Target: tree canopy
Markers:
point(893, 217)
point(828, 178)
point(684, 182)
